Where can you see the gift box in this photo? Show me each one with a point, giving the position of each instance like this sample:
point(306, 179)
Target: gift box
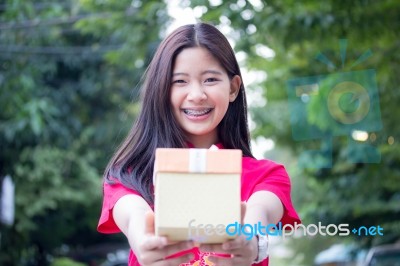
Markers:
point(197, 193)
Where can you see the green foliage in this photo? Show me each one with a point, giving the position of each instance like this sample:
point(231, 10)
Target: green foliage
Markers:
point(62, 172)
point(69, 75)
point(66, 262)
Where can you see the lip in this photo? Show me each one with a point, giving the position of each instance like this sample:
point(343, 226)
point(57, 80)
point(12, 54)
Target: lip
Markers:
point(196, 114)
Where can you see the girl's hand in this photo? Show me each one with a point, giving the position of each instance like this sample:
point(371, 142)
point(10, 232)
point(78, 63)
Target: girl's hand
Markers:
point(157, 251)
point(243, 252)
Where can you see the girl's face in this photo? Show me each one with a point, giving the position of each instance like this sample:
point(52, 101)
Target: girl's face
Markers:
point(200, 94)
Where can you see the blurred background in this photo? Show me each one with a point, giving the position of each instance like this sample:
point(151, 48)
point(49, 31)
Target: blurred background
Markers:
point(70, 75)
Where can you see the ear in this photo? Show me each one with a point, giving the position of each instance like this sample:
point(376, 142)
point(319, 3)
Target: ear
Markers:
point(236, 81)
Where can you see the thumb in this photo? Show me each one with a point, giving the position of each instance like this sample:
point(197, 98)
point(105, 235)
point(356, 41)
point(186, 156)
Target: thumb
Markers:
point(149, 223)
point(242, 211)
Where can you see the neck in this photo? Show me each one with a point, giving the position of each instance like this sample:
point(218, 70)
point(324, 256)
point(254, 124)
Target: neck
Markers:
point(204, 142)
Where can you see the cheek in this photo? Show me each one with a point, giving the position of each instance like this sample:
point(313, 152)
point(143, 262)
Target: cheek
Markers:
point(226, 108)
point(223, 99)
point(174, 98)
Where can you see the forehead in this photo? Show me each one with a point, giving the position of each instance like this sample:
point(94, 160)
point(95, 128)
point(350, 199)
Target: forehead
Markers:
point(196, 58)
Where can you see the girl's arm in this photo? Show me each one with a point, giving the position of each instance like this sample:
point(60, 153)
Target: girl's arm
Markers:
point(264, 207)
point(135, 219)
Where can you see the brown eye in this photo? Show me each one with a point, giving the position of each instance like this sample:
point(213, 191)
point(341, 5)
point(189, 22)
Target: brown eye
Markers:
point(211, 80)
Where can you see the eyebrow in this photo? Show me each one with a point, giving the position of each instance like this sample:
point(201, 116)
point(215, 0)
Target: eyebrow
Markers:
point(216, 72)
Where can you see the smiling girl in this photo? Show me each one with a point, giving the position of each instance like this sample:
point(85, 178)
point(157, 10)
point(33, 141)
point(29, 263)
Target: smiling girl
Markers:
point(192, 97)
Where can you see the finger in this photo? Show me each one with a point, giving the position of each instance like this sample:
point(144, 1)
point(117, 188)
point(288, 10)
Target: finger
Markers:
point(169, 252)
point(221, 261)
point(237, 243)
point(217, 248)
point(243, 255)
point(150, 226)
point(152, 255)
point(149, 223)
point(153, 242)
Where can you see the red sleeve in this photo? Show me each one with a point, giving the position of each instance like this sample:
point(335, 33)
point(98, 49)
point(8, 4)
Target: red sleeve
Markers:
point(265, 175)
point(111, 194)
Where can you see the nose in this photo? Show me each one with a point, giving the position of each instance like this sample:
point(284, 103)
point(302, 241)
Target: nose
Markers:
point(196, 93)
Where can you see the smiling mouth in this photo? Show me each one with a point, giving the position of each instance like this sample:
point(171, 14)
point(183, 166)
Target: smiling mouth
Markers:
point(201, 112)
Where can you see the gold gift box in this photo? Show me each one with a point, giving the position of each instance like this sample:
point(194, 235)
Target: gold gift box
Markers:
point(197, 193)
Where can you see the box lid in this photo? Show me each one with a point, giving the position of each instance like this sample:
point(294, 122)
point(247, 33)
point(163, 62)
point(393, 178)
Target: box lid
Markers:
point(172, 160)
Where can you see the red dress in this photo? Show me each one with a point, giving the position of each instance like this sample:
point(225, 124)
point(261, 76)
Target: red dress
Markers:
point(257, 175)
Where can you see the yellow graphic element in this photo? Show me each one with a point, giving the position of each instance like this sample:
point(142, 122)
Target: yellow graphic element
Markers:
point(202, 261)
point(359, 96)
point(207, 261)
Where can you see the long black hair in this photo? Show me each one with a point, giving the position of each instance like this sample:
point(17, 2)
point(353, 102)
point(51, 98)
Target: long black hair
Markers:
point(156, 126)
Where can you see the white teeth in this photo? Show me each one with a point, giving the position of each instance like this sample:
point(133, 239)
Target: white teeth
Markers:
point(197, 112)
